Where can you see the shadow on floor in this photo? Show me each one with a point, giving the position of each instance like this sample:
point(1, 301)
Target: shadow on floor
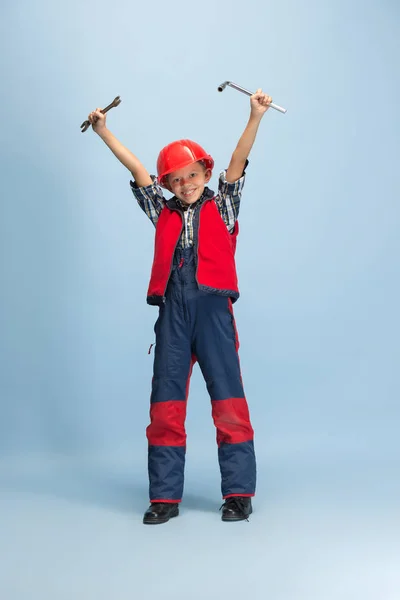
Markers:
point(123, 491)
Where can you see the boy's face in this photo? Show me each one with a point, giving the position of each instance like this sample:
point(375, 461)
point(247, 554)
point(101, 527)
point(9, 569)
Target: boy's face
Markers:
point(188, 183)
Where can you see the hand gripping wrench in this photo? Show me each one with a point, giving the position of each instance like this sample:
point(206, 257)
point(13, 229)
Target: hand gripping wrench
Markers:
point(86, 124)
point(244, 91)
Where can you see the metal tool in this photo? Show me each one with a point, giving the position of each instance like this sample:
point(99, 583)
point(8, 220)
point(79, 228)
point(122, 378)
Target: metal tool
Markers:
point(244, 91)
point(86, 124)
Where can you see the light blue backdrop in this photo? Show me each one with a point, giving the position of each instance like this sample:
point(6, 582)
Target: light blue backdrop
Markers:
point(318, 253)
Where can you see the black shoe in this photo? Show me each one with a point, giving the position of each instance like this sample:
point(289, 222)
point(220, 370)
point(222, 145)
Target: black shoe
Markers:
point(160, 512)
point(236, 508)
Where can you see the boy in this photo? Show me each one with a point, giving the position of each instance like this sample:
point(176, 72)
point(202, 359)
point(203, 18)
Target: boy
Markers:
point(194, 283)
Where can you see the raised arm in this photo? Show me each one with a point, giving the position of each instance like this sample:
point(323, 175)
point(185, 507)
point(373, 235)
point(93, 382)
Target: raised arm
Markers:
point(259, 103)
point(125, 156)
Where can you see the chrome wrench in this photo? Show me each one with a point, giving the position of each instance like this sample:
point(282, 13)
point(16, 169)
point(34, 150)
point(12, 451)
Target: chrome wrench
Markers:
point(244, 91)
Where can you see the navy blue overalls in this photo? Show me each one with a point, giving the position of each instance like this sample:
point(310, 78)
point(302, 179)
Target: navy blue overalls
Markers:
point(194, 325)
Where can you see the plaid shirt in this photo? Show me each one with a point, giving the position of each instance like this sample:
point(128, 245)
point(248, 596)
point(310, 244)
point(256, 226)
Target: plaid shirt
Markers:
point(151, 200)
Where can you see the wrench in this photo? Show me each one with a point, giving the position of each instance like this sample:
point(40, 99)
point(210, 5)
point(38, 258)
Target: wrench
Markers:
point(244, 91)
point(86, 124)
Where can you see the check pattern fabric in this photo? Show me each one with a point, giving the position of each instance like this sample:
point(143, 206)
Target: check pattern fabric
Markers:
point(151, 200)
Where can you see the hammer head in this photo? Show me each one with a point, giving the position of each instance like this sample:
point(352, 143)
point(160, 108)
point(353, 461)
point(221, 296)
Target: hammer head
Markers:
point(222, 86)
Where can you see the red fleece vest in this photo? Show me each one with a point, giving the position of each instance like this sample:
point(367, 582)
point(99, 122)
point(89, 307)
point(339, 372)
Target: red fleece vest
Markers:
point(214, 252)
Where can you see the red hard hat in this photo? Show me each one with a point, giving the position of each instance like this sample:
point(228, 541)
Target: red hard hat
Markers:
point(179, 154)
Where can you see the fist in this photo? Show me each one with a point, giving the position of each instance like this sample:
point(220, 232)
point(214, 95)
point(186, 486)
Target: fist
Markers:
point(97, 120)
point(260, 102)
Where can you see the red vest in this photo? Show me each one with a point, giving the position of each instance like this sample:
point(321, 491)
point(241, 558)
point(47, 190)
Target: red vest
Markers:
point(214, 250)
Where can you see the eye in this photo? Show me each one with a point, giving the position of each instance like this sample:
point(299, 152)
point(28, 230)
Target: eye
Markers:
point(193, 175)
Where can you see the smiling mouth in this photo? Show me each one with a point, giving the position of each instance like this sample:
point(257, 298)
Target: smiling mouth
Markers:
point(188, 194)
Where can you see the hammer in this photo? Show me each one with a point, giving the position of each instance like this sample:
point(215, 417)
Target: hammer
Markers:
point(244, 91)
point(86, 124)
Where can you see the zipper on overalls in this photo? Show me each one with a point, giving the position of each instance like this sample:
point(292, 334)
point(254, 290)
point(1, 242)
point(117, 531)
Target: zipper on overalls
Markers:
point(196, 240)
point(173, 253)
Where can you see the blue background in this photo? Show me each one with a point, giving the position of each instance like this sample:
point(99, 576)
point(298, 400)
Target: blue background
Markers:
point(318, 263)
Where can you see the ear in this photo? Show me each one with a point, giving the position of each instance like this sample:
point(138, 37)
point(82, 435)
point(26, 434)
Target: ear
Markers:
point(165, 183)
point(207, 175)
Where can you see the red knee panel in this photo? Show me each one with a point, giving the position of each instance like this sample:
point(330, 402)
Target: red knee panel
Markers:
point(167, 423)
point(232, 420)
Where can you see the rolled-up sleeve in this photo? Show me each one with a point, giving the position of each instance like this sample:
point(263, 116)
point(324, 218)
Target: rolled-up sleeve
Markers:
point(150, 199)
point(228, 198)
